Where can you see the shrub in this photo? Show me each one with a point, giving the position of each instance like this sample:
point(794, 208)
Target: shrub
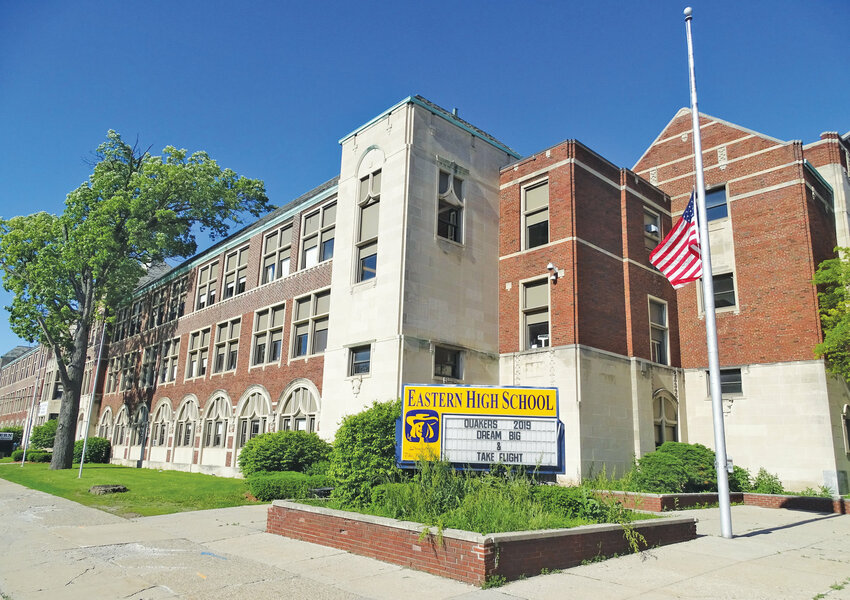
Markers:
point(574, 502)
point(698, 462)
point(282, 451)
point(740, 480)
point(364, 452)
point(98, 450)
point(43, 435)
point(32, 455)
point(767, 483)
point(659, 472)
point(267, 486)
point(17, 455)
point(320, 467)
point(17, 433)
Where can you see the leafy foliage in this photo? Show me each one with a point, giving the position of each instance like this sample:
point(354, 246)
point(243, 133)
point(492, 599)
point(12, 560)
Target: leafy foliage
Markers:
point(833, 283)
point(364, 452)
point(740, 480)
point(43, 435)
point(289, 485)
point(659, 472)
point(282, 451)
point(65, 272)
point(32, 455)
point(767, 483)
point(698, 462)
point(98, 450)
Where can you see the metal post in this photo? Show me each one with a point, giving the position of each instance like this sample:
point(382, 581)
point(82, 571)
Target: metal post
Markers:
point(708, 302)
point(95, 375)
point(28, 431)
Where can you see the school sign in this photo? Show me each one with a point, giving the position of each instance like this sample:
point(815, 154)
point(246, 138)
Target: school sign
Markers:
point(480, 426)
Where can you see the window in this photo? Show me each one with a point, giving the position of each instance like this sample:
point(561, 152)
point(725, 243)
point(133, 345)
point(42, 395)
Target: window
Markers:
point(299, 411)
point(310, 324)
point(135, 318)
point(168, 364)
point(730, 382)
point(317, 237)
point(158, 308)
point(235, 272)
point(367, 232)
point(121, 425)
point(665, 413)
point(148, 375)
point(447, 362)
point(268, 335)
point(715, 204)
point(207, 284)
point(360, 359)
point(113, 375)
point(536, 214)
point(226, 345)
point(105, 426)
point(199, 348)
point(139, 426)
point(658, 340)
point(252, 418)
point(215, 422)
point(159, 430)
point(651, 229)
point(121, 324)
point(535, 314)
point(128, 370)
point(277, 247)
point(177, 299)
point(724, 290)
point(450, 207)
point(187, 416)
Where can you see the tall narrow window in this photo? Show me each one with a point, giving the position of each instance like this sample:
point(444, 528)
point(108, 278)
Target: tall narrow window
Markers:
point(252, 418)
point(148, 377)
point(658, 331)
point(276, 250)
point(113, 375)
point(317, 238)
point(299, 411)
point(235, 272)
point(536, 214)
point(199, 347)
point(207, 283)
point(665, 413)
point(158, 308)
point(450, 207)
point(651, 229)
point(367, 233)
point(268, 335)
point(715, 204)
point(159, 430)
point(168, 364)
point(215, 423)
point(177, 299)
point(535, 314)
point(128, 371)
point(226, 345)
point(724, 290)
point(136, 318)
point(187, 417)
point(310, 324)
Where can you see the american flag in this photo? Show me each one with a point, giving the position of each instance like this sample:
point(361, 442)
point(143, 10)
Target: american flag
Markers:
point(678, 255)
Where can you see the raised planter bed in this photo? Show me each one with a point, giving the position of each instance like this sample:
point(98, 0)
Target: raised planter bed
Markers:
point(662, 502)
point(463, 555)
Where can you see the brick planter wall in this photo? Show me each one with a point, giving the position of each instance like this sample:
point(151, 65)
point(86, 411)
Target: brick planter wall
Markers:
point(662, 502)
point(462, 555)
point(833, 505)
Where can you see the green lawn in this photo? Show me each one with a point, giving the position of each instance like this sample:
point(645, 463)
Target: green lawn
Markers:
point(150, 492)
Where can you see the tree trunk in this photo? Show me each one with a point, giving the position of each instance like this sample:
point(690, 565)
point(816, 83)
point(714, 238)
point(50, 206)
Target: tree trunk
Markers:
point(72, 383)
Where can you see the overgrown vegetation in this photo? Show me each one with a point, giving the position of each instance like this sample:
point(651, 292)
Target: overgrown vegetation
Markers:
point(43, 435)
point(267, 486)
point(98, 450)
point(283, 451)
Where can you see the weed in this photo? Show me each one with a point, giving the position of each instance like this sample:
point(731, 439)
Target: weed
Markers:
point(545, 571)
point(494, 581)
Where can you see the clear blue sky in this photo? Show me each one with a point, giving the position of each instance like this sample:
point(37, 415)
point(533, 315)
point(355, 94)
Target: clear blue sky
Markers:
point(267, 88)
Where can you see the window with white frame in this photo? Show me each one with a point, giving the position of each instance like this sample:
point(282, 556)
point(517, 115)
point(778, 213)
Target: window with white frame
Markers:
point(317, 236)
point(159, 303)
point(207, 284)
point(104, 428)
point(159, 429)
point(665, 412)
point(140, 426)
point(226, 345)
point(310, 324)
point(651, 229)
point(135, 318)
point(128, 370)
point(119, 436)
point(252, 418)
point(658, 331)
point(121, 324)
point(359, 360)
point(715, 204)
point(535, 314)
point(447, 362)
point(268, 335)
point(277, 247)
point(450, 207)
point(299, 411)
point(368, 202)
point(113, 375)
point(535, 214)
point(235, 272)
point(168, 364)
point(184, 429)
point(148, 373)
point(198, 353)
point(177, 299)
point(215, 422)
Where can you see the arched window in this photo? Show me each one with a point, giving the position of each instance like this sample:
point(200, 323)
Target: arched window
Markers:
point(122, 422)
point(139, 425)
point(665, 413)
point(215, 422)
point(299, 410)
point(252, 418)
point(81, 425)
point(161, 418)
point(187, 417)
point(105, 425)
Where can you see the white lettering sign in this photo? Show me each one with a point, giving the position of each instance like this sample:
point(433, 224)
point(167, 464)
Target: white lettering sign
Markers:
point(507, 440)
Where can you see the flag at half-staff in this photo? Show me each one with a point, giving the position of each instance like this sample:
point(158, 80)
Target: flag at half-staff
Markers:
point(678, 255)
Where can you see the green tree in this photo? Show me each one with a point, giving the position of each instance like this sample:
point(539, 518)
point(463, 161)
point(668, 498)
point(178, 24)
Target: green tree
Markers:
point(68, 271)
point(833, 282)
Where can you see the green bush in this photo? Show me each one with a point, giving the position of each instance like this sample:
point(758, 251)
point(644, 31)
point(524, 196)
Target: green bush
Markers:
point(574, 502)
point(17, 455)
point(282, 451)
point(320, 467)
point(290, 485)
point(659, 472)
point(767, 483)
point(698, 462)
point(43, 435)
point(364, 452)
point(98, 450)
point(17, 433)
point(740, 480)
point(32, 455)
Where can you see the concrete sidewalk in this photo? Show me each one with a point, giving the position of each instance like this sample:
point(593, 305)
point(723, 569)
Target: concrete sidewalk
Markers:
point(58, 549)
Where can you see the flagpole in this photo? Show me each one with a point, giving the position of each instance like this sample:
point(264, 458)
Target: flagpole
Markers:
point(708, 302)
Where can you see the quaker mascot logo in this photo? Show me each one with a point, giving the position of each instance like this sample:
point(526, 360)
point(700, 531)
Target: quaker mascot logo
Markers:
point(422, 426)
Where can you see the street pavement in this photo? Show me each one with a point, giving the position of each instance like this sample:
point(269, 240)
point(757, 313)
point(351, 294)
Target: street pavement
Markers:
point(57, 549)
